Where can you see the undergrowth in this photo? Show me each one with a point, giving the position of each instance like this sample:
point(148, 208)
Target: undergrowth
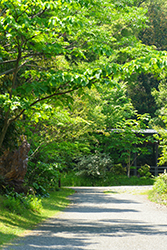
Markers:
point(14, 222)
point(158, 193)
point(17, 203)
point(71, 179)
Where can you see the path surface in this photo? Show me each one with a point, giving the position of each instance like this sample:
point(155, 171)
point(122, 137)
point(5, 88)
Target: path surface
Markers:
point(120, 220)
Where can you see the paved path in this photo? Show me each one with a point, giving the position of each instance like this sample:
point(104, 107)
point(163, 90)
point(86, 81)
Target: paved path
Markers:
point(97, 221)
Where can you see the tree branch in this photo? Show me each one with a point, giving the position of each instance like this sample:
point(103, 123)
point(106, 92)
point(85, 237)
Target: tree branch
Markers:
point(140, 3)
point(32, 155)
point(12, 70)
point(7, 71)
point(9, 61)
point(42, 99)
point(3, 11)
point(38, 14)
point(36, 66)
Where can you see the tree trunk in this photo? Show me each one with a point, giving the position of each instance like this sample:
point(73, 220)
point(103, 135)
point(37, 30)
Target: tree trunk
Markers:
point(4, 130)
point(128, 166)
point(13, 166)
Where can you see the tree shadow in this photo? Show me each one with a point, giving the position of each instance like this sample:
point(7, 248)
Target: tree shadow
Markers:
point(22, 222)
point(77, 234)
point(6, 238)
point(81, 230)
point(100, 202)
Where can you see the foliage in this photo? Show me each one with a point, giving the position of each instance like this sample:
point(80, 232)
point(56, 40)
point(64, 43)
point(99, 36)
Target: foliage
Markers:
point(16, 203)
point(155, 34)
point(115, 105)
point(128, 139)
point(160, 185)
point(71, 179)
point(50, 49)
point(160, 123)
point(97, 165)
point(118, 169)
point(158, 193)
point(13, 225)
point(58, 141)
point(161, 137)
point(140, 91)
point(60, 138)
point(120, 134)
point(156, 31)
point(64, 70)
point(43, 177)
point(144, 171)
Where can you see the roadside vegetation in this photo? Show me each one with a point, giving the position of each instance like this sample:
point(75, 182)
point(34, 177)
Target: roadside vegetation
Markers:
point(72, 179)
point(158, 193)
point(80, 81)
point(16, 217)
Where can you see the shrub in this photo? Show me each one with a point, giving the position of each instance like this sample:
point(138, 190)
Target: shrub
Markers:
point(70, 179)
point(96, 165)
point(160, 185)
point(43, 177)
point(144, 171)
point(117, 169)
point(16, 203)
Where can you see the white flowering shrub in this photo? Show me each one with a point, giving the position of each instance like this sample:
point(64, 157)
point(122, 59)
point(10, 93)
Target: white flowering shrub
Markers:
point(96, 165)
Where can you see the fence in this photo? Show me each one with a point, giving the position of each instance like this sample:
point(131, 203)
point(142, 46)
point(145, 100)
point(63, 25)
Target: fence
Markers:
point(154, 170)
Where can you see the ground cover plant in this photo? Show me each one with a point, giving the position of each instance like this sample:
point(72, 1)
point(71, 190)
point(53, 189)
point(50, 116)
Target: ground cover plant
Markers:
point(14, 223)
point(72, 179)
point(158, 193)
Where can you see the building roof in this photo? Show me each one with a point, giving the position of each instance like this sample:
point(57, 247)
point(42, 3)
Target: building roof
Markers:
point(143, 131)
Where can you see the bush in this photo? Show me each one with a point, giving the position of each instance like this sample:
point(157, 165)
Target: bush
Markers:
point(160, 185)
point(70, 179)
point(144, 171)
point(95, 166)
point(117, 169)
point(17, 202)
point(43, 177)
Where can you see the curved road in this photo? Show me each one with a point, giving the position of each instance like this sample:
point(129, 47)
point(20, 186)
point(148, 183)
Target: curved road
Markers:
point(119, 220)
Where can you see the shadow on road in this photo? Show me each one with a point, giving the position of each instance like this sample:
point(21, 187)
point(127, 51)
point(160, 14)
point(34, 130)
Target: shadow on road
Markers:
point(80, 230)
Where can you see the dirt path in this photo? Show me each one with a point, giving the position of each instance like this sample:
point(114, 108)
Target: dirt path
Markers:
point(120, 220)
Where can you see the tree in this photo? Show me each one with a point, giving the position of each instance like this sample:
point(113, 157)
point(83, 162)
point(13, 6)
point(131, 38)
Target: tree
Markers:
point(37, 35)
point(128, 139)
point(160, 123)
point(154, 34)
point(156, 31)
point(140, 92)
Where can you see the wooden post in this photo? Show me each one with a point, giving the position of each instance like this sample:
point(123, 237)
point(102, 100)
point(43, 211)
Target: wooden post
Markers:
point(156, 159)
point(135, 163)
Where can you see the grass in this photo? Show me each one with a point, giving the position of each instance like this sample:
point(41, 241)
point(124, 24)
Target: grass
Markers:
point(13, 224)
point(71, 179)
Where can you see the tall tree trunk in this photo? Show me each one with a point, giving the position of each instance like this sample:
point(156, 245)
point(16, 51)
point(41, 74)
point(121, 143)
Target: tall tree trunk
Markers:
point(128, 166)
point(4, 129)
point(7, 121)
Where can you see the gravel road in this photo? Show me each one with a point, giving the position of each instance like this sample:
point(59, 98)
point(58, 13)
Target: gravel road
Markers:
point(119, 220)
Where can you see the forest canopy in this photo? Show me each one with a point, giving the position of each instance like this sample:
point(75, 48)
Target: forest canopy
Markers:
point(72, 70)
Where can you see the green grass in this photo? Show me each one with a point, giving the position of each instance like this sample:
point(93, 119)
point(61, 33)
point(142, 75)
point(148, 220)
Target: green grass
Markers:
point(71, 179)
point(13, 224)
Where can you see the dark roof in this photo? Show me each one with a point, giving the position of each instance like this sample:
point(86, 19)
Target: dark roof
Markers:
point(143, 131)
